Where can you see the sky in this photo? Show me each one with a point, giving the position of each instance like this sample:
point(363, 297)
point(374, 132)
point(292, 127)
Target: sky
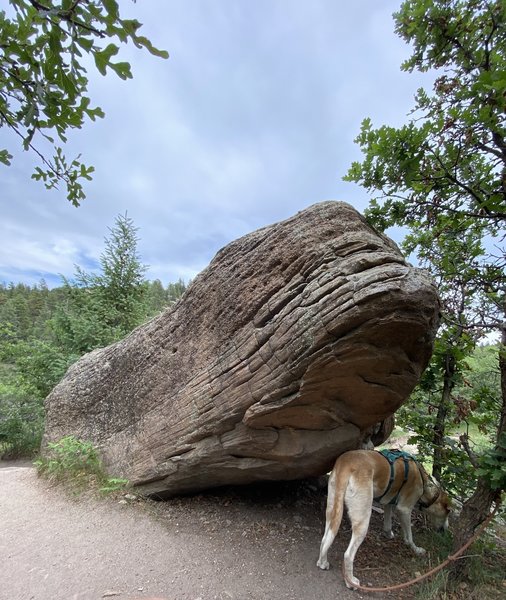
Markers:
point(251, 119)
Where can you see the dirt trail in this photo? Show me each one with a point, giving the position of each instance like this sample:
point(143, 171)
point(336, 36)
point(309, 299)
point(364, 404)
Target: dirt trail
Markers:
point(217, 547)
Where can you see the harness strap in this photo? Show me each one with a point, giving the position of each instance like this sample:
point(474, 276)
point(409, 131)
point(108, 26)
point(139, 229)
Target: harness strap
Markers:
point(392, 456)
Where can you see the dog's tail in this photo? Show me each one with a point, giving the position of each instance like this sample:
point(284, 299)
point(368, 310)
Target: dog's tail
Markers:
point(338, 484)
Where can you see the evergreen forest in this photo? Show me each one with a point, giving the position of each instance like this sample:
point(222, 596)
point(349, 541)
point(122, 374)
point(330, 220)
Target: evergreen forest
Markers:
point(43, 331)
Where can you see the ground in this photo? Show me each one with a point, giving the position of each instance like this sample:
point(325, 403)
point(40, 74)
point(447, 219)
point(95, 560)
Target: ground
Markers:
point(245, 543)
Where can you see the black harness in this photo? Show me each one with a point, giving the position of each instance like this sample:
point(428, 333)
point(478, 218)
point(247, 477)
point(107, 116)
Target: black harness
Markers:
point(426, 505)
point(392, 456)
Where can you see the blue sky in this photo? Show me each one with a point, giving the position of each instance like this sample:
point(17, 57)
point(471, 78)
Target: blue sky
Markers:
point(251, 119)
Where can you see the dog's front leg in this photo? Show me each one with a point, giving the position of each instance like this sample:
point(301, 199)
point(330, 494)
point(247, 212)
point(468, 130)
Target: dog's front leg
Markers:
point(387, 520)
point(405, 520)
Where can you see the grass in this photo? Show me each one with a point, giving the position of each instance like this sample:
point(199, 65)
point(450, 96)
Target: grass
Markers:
point(485, 568)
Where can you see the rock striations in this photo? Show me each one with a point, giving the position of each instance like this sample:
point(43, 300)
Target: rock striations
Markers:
point(285, 352)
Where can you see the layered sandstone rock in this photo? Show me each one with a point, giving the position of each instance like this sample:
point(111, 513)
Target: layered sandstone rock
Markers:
point(285, 352)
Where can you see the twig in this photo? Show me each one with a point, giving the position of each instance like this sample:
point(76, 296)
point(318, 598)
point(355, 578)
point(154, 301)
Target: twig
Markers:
point(464, 440)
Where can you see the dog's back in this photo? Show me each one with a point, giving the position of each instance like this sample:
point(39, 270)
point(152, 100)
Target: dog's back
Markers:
point(358, 470)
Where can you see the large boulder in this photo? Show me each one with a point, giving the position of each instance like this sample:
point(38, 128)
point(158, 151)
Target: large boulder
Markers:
point(288, 350)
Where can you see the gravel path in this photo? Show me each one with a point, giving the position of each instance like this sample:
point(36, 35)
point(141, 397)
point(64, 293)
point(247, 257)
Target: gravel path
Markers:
point(54, 547)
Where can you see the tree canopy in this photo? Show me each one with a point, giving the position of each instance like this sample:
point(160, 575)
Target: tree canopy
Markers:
point(443, 174)
point(451, 157)
point(104, 307)
point(44, 51)
point(443, 177)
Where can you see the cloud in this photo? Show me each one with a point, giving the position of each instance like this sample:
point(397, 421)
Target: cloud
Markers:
point(251, 119)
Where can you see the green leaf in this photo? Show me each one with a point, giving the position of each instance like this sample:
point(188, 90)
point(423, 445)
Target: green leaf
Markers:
point(103, 57)
point(5, 157)
point(39, 174)
point(122, 69)
point(85, 43)
point(67, 84)
point(111, 6)
point(144, 42)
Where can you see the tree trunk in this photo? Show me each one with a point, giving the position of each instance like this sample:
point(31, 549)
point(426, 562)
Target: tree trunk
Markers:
point(502, 370)
point(442, 414)
point(477, 508)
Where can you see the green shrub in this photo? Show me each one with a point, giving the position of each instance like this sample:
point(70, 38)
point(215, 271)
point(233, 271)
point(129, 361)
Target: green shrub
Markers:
point(41, 365)
point(21, 426)
point(77, 463)
point(69, 458)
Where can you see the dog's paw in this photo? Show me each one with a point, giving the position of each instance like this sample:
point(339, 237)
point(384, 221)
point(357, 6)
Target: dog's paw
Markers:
point(388, 534)
point(419, 551)
point(352, 583)
point(323, 564)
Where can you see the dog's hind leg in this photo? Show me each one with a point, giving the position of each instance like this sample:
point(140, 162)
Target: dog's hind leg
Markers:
point(405, 520)
point(387, 520)
point(327, 539)
point(359, 504)
point(334, 515)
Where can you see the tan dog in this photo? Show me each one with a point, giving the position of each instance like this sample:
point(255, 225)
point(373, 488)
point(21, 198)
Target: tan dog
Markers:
point(359, 477)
